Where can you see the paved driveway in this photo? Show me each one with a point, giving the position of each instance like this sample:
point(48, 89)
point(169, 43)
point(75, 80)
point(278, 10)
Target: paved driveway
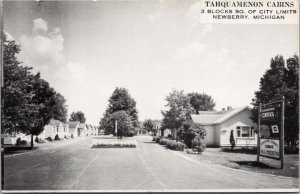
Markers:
point(150, 166)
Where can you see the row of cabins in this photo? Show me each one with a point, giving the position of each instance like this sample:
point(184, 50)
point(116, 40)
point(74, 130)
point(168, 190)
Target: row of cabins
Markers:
point(219, 124)
point(71, 129)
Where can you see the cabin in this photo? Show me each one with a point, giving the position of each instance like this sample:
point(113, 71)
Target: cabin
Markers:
point(73, 129)
point(219, 125)
point(55, 127)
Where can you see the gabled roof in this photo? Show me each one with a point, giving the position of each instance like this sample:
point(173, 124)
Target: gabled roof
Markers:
point(73, 124)
point(216, 117)
point(54, 122)
point(82, 125)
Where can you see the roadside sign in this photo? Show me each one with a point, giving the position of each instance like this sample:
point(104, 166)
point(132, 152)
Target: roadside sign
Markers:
point(271, 131)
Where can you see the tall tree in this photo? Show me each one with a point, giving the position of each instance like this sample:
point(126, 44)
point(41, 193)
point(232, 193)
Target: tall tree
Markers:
point(201, 102)
point(78, 116)
point(179, 110)
point(281, 80)
point(121, 100)
point(149, 125)
point(124, 124)
point(27, 99)
point(59, 108)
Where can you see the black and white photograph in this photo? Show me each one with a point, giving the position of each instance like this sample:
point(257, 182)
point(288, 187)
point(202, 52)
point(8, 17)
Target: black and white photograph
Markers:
point(149, 96)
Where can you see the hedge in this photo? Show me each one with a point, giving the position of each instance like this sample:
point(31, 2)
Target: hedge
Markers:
point(117, 145)
point(171, 144)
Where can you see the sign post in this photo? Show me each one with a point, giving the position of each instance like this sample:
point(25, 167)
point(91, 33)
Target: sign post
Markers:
point(116, 127)
point(271, 131)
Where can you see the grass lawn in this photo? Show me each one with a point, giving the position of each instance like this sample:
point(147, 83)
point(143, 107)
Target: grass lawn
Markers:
point(246, 160)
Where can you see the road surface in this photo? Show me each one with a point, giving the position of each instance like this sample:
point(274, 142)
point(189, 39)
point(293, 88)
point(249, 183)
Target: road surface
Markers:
point(77, 166)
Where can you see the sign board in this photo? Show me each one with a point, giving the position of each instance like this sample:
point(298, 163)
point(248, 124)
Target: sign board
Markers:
point(270, 148)
point(271, 131)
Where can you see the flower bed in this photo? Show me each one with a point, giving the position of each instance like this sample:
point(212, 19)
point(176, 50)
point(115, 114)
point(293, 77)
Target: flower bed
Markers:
point(114, 145)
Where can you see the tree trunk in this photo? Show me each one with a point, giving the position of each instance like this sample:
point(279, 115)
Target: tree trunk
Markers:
point(32, 141)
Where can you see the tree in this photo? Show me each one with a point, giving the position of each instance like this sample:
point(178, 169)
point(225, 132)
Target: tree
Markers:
point(198, 144)
point(231, 139)
point(27, 99)
point(189, 130)
point(59, 109)
point(179, 110)
point(281, 80)
point(121, 100)
point(123, 122)
point(78, 116)
point(150, 126)
point(201, 102)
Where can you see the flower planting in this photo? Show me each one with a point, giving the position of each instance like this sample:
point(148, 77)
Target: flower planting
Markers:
point(114, 145)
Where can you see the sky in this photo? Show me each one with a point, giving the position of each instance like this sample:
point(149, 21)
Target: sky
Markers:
point(85, 49)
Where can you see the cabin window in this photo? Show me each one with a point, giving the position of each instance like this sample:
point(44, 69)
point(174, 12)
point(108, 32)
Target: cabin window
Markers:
point(245, 131)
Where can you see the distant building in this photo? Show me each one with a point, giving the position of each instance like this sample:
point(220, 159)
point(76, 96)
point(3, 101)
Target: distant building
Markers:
point(219, 124)
point(73, 128)
point(55, 127)
point(82, 130)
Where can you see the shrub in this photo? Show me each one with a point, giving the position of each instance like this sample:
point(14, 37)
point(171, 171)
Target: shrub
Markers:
point(189, 131)
point(72, 136)
point(49, 139)
point(37, 140)
point(158, 138)
point(23, 142)
point(198, 144)
point(56, 137)
point(41, 141)
point(169, 136)
point(231, 139)
point(18, 142)
point(131, 133)
point(163, 141)
point(180, 146)
point(171, 144)
point(154, 138)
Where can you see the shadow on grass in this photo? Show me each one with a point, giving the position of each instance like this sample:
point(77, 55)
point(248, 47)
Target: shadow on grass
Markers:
point(149, 142)
point(253, 164)
point(252, 151)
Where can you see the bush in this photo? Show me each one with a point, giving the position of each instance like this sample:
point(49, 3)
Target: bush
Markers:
point(49, 139)
point(56, 137)
point(180, 146)
point(41, 141)
point(37, 140)
point(72, 136)
point(18, 142)
point(231, 139)
point(198, 144)
point(131, 133)
point(169, 136)
point(189, 131)
point(163, 141)
point(23, 142)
